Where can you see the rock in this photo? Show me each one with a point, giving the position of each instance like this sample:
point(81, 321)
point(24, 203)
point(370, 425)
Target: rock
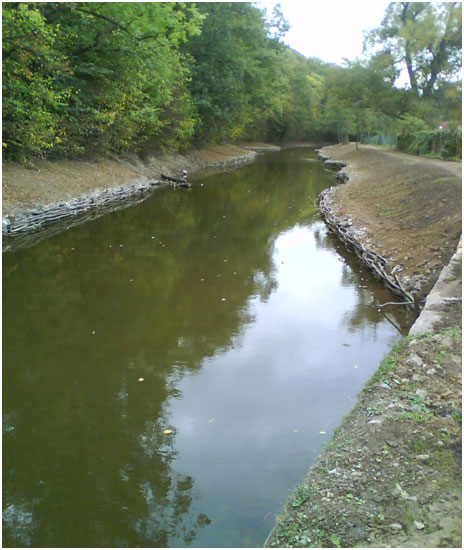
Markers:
point(431, 371)
point(423, 457)
point(398, 491)
point(446, 341)
point(396, 526)
point(415, 361)
point(356, 532)
point(418, 525)
point(421, 393)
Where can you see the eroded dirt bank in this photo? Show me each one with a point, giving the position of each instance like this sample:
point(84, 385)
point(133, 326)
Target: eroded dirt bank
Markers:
point(391, 475)
point(41, 183)
point(41, 198)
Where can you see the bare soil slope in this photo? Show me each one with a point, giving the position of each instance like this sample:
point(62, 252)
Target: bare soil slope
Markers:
point(410, 207)
point(41, 182)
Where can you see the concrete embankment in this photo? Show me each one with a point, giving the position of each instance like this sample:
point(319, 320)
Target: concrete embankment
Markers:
point(391, 474)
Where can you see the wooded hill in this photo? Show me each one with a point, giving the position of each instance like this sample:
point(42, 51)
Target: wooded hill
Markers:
point(93, 78)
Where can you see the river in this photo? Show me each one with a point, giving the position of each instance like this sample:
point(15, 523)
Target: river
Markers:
point(171, 370)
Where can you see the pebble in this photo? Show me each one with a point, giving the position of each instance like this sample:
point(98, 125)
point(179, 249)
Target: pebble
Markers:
point(431, 371)
point(415, 360)
point(421, 393)
point(396, 526)
point(418, 525)
point(423, 457)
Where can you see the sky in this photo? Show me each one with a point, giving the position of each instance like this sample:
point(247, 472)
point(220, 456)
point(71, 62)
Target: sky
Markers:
point(329, 30)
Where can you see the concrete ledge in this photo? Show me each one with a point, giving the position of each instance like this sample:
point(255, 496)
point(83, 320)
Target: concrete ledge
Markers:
point(447, 291)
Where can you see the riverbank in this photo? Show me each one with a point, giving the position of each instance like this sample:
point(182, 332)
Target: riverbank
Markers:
point(402, 213)
point(40, 193)
point(391, 475)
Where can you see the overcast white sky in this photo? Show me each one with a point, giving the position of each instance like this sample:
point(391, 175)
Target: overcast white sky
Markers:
point(329, 30)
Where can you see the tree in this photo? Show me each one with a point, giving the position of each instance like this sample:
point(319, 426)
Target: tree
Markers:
point(235, 75)
point(81, 77)
point(31, 68)
point(360, 98)
point(424, 38)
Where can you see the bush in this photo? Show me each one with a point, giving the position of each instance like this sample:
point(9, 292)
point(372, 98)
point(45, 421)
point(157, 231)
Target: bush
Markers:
point(425, 142)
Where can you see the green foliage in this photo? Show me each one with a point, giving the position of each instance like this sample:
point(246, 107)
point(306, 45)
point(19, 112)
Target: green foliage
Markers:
point(425, 38)
point(415, 138)
point(360, 100)
point(235, 69)
point(30, 69)
point(82, 78)
point(387, 364)
point(301, 495)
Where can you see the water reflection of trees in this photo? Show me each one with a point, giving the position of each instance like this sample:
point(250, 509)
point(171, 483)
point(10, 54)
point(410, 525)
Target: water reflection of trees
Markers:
point(147, 292)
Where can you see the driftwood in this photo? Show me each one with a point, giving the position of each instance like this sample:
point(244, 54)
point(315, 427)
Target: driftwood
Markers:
point(393, 304)
point(30, 226)
point(172, 179)
point(374, 261)
point(343, 229)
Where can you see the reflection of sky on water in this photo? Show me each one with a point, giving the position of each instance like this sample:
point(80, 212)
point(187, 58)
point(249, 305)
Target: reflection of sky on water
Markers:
point(172, 390)
point(248, 423)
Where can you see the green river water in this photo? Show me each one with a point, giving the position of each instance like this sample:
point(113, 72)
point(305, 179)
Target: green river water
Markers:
point(171, 370)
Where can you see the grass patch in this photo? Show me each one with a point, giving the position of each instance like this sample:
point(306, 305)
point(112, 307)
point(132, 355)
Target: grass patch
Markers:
point(301, 495)
point(444, 179)
point(387, 364)
point(454, 332)
point(408, 516)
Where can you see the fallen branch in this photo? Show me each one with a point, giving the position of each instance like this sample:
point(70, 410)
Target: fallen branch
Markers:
point(398, 328)
point(379, 265)
point(393, 304)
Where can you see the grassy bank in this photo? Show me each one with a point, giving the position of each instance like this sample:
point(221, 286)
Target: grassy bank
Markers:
point(391, 475)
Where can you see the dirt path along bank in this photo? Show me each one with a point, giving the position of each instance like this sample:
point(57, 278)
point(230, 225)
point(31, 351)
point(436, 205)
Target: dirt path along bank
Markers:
point(391, 474)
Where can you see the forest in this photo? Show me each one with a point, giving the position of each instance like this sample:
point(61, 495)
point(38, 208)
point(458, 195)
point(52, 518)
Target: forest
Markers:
point(103, 78)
